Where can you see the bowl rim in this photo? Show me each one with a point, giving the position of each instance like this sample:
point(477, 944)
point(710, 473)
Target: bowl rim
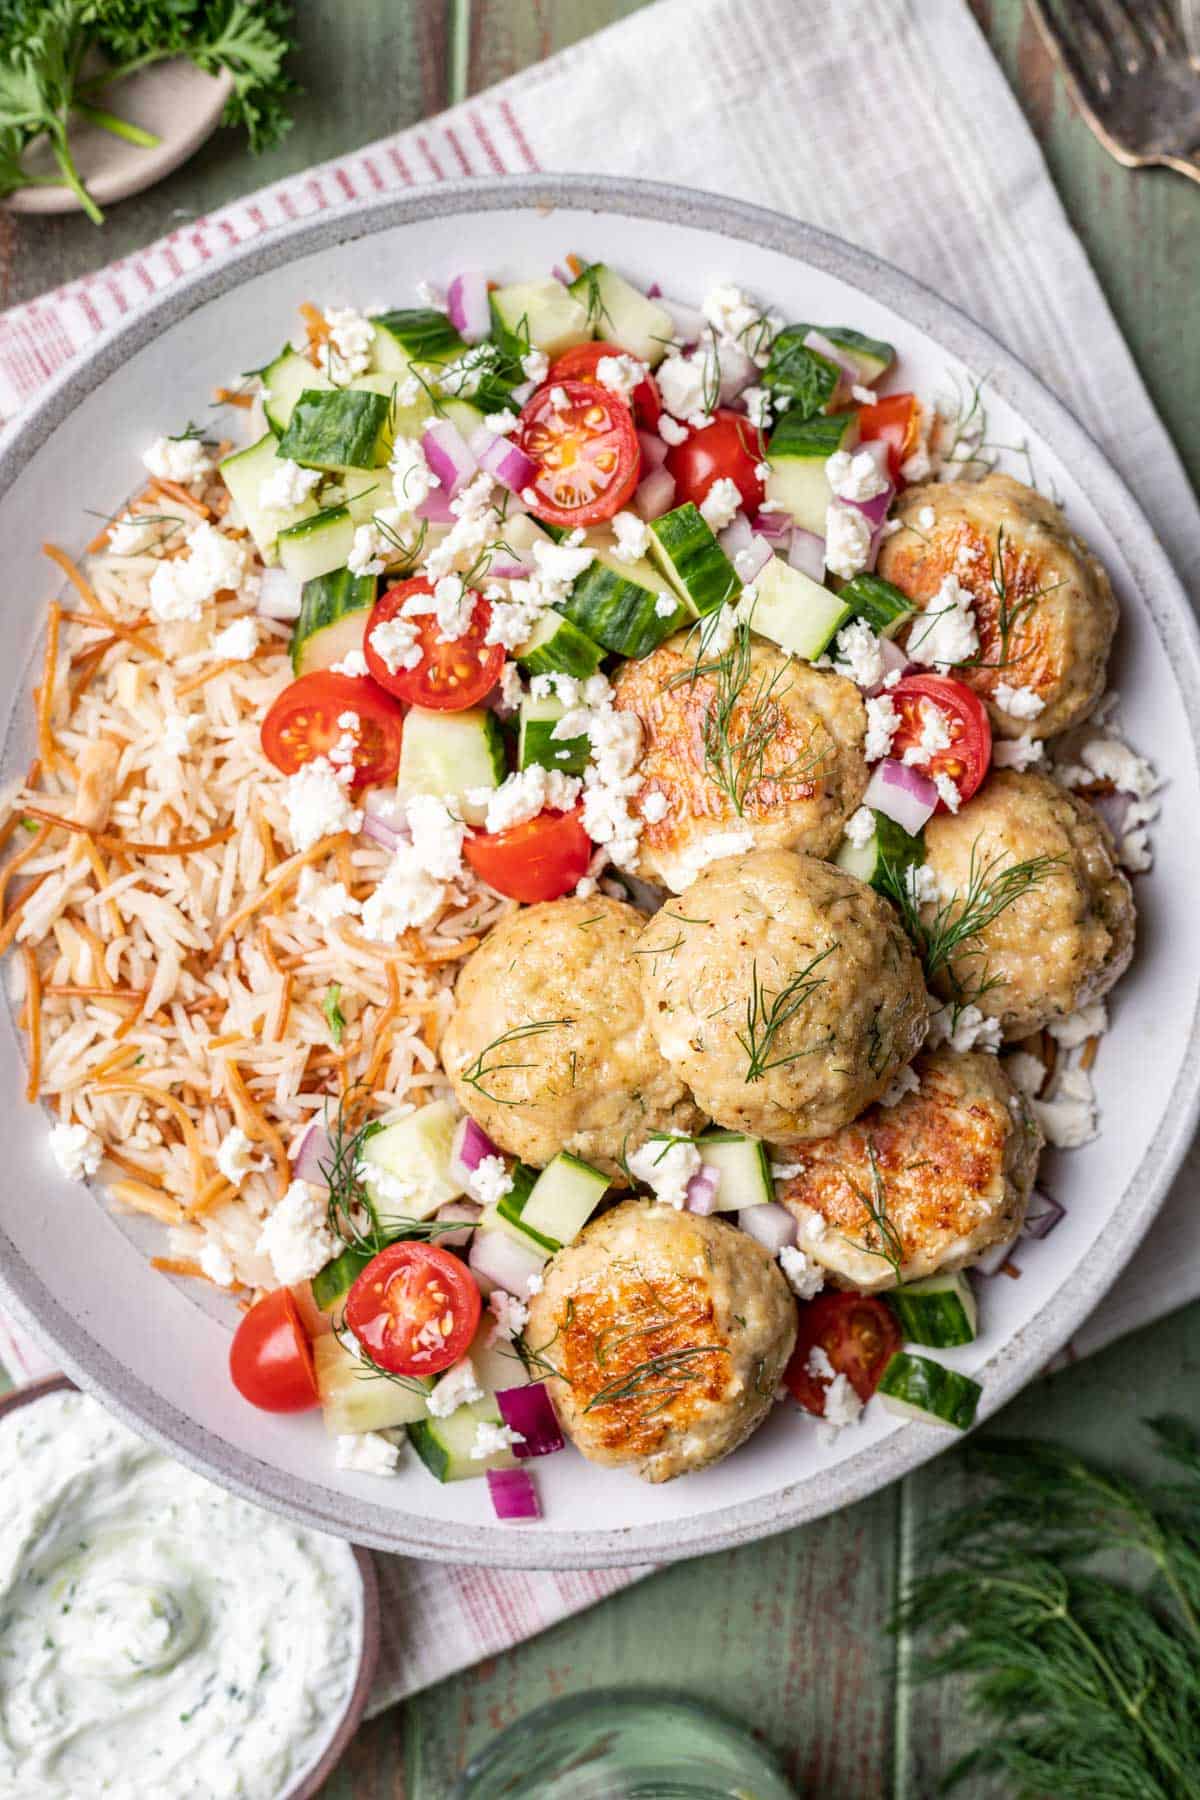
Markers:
point(310, 1783)
point(1161, 592)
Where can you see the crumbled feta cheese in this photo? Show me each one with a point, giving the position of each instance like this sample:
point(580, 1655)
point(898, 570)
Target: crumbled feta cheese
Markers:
point(296, 1237)
point(883, 721)
point(524, 794)
point(948, 792)
point(459, 1386)
point(705, 850)
point(842, 1407)
point(510, 1314)
point(585, 887)
point(665, 605)
point(238, 641)
point(757, 401)
point(215, 1263)
point(805, 1277)
point(926, 519)
point(860, 827)
point(718, 506)
point(396, 644)
point(555, 568)
point(183, 459)
point(620, 374)
point(729, 311)
point(935, 736)
point(963, 1028)
point(365, 556)
point(535, 365)
point(847, 539)
point(453, 605)
point(407, 897)
point(133, 537)
point(920, 884)
point(318, 804)
point(324, 901)
point(1075, 1030)
point(287, 485)
point(666, 1165)
point(670, 431)
point(437, 837)
point(534, 1284)
point(178, 733)
point(501, 423)
point(1108, 759)
point(1068, 1118)
point(490, 1180)
point(366, 1453)
point(354, 664)
point(236, 1158)
point(865, 396)
point(681, 385)
point(214, 564)
point(945, 632)
point(631, 536)
point(655, 807)
point(490, 1440)
point(1016, 753)
point(904, 1081)
point(1018, 702)
point(412, 479)
point(855, 475)
point(350, 339)
point(77, 1151)
point(858, 654)
point(1025, 1072)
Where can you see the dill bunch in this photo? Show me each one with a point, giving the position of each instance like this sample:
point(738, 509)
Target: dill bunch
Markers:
point(1087, 1684)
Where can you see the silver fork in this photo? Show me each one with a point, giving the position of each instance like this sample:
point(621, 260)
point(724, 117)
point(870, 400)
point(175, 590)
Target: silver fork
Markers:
point(1133, 73)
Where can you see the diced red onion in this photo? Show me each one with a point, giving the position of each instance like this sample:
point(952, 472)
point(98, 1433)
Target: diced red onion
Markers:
point(688, 321)
point(448, 457)
point(279, 595)
point(654, 451)
point(806, 552)
point(903, 793)
point(877, 450)
point(498, 1261)
point(507, 568)
point(653, 292)
point(894, 660)
point(736, 535)
point(562, 274)
point(738, 371)
point(468, 1148)
point(467, 305)
point(465, 1213)
point(1042, 1215)
point(770, 1224)
point(436, 507)
point(503, 459)
point(380, 832)
point(776, 527)
point(875, 510)
point(993, 1260)
point(701, 1192)
point(754, 558)
point(655, 495)
point(528, 1410)
point(513, 1494)
point(314, 1157)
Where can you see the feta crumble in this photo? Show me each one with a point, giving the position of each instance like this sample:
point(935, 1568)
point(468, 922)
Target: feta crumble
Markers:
point(366, 1453)
point(1075, 1030)
point(535, 366)
point(904, 1081)
point(1017, 753)
point(296, 1237)
point(406, 898)
point(655, 807)
point(215, 1262)
point(805, 1277)
point(681, 385)
point(354, 664)
point(855, 475)
point(666, 1165)
point(631, 536)
point(1018, 702)
point(620, 374)
point(318, 805)
point(847, 539)
point(945, 634)
point(490, 1440)
point(524, 794)
point(1068, 1118)
point(721, 502)
point(883, 721)
point(858, 654)
point(963, 1028)
point(490, 1181)
point(437, 837)
point(510, 1314)
point(77, 1151)
point(214, 564)
point(412, 479)
point(238, 641)
point(671, 432)
point(459, 1386)
point(948, 793)
point(182, 459)
point(287, 485)
point(236, 1158)
point(396, 644)
point(859, 827)
point(324, 901)
point(350, 337)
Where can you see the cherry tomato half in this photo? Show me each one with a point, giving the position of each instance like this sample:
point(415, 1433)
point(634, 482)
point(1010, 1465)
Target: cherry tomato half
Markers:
point(303, 724)
point(858, 1334)
point(730, 447)
point(897, 420)
point(453, 673)
point(415, 1308)
point(965, 759)
point(270, 1360)
point(580, 364)
point(586, 452)
point(543, 859)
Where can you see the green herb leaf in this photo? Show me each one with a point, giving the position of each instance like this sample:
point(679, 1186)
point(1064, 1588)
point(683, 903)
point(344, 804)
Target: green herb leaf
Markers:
point(334, 1017)
point(765, 1018)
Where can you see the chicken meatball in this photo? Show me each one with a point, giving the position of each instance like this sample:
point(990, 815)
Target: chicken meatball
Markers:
point(669, 1333)
point(923, 1186)
point(757, 750)
point(1043, 606)
point(550, 1047)
point(784, 992)
point(1068, 933)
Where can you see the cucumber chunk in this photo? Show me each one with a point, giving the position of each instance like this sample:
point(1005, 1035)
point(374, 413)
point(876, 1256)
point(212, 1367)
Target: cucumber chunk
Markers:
point(743, 1166)
point(330, 1287)
point(537, 743)
point(883, 606)
point(616, 310)
point(334, 609)
point(415, 334)
point(809, 379)
point(345, 429)
point(494, 1219)
point(538, 315)
point(882, 860)
point(685, 549)
point(797, 451)
point(244, 474)
point(448, 753)
point(444, 1445)
point(941, 1310)
point(870, 356)
point(795, 611)
point(624, 606)
point(916, 1387)
point(284, 380)
point(556, 645)
point(317, 545)
point(563, 1199)
point(355, 1399)
point(416, 1153)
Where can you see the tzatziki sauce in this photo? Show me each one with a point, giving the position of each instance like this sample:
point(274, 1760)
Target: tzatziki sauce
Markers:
point(158, 1637)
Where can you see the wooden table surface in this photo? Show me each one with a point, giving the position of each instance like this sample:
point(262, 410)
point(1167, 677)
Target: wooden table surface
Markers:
point(788, 1633)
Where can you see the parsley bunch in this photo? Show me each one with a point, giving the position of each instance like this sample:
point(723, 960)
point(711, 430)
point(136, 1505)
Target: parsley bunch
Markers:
point(58, 56)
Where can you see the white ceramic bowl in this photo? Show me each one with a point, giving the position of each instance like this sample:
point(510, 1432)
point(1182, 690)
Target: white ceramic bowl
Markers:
point(156, 1351)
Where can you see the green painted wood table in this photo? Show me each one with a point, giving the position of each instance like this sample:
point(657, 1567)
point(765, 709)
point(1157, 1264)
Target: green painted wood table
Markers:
point(790, 1634)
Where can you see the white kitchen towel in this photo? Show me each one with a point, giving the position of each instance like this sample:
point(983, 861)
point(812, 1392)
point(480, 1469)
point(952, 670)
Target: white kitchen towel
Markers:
point(885, 121)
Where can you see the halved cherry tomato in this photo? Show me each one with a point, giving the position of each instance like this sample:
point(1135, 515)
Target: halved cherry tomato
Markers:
point(730, 447)
point(965, 760)
point(858, 1334)
point(580, 364)
point(453, 673)
point(586, 451)
point(543, 859)
point(897, 420)
point(415, 1308)
point(270, 1359)
point(303, 724)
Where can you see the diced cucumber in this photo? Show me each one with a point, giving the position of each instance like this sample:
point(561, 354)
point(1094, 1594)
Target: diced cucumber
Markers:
point(334, 609)
point(355, 1399)
point(444, 1445)
point(885, 856)
point(465, 418)
point(795, 611)
point(284, 380)
point(797, 452)
point(345, 429)
point(557, 645)
point(941, 1310)
point(522, 532)
point(416, 1152)
point(563, 1199)
point(317, 545)
point(493, 1219)
point(871, 356)
point(243, 474)
point(623, 605)
point(916, 1387)
point(685, 549)
point(809, 379)
point(538, 744)
point(364, 492)
point(495, 1359)
point(616, 310)
point(743, 1166)
point(449, 753)
point(883, 606)
point(538, 315)
point(335, 1280)
point(417, 334)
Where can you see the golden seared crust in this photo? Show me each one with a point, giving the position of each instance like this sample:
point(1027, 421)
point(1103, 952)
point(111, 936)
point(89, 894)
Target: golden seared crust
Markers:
point(796, 790)
point(669, 1333)
point(1015, 553)
point(954, 1163)
point(1069, 937)
point(549, 1047)
point(765, 1047)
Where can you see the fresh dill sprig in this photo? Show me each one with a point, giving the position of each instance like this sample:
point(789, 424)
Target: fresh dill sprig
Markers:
point(335, 1018)
point(349, 1203)
point(765, 1018)
point(660, 1378)
point(1087, 1685)
point(371, 1370)
point(958, 922)
point(890, 1243)
point(597, 312)
point(711, 366)
point(481, 1070)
